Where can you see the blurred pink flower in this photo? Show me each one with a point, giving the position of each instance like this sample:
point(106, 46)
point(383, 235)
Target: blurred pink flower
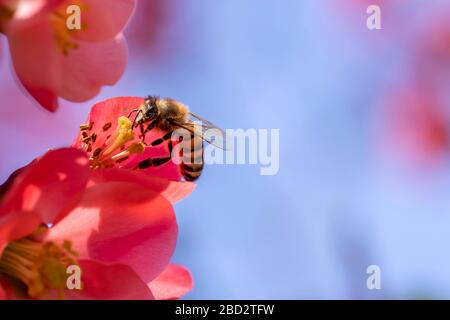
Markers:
point(416, 125)
point(432, 54)
point(146, 34)
point(434, 41)
point(416, 115)
point(52, 61)
point(58, 212)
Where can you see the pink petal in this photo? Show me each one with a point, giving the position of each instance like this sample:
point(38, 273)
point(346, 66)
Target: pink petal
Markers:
point(16, 225)
point(169, 170)
point(94, 64)
point(121, 223)
point(26, 9)
point(104, 19)
point(49, 184)
point(45, 97)
point(35, 57)
point(173, 283)
point(173, 191)
point(11, 180)
point(109, 282)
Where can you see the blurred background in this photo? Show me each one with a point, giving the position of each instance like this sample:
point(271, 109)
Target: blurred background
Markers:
point(364, 119)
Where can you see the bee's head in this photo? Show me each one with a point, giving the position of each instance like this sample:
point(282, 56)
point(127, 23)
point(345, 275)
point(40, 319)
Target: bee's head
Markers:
point(150, 108)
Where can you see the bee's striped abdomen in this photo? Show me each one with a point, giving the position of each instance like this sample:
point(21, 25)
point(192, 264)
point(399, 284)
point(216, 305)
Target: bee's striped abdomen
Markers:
point(192, 161)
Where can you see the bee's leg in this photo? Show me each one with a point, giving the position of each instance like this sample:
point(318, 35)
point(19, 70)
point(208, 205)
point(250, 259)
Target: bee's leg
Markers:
point(158, 141)
point(150, 127)
point(152, 162)
point(141, 128)
point(155, 162)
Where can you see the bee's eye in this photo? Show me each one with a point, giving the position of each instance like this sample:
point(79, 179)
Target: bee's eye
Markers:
point(151, 112)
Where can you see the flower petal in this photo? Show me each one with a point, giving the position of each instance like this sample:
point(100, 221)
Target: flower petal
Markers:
point(173, 191)
point(45, 97)
point(168, 170)
point(109, 282)
point(16, 225)
point(121, 223)
point(26, 9)
point(104, 19)
point(49, 184)
point(91, 66)
point(10, 181)
point(173, 283)
point(36, 58)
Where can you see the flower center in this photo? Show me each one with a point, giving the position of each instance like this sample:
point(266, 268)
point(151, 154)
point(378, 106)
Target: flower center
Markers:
point(42, 267)
point(114, 150)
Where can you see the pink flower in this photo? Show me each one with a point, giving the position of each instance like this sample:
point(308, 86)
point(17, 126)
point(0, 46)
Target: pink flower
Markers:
point(121, 232)
point(52, 61)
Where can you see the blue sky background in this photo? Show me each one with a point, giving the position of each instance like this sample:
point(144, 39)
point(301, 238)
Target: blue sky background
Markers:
point(313, 70)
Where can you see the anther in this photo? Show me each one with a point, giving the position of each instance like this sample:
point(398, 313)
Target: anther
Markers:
point(86, 126)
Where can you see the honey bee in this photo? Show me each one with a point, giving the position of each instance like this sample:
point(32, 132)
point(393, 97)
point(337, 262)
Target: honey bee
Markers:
point(168, 115)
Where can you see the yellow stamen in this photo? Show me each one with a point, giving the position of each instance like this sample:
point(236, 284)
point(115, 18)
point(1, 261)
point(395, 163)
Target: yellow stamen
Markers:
point(123, 134)
point(86, 126)
point(118, 146)
point(132, 149)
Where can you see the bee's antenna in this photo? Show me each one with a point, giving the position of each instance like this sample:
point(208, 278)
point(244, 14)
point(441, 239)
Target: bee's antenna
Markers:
point(138, 112)
point(132, 111)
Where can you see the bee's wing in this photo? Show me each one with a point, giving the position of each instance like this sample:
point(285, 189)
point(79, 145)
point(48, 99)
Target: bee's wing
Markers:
point(208, 131)
point(205, 123)
point(214, 136)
